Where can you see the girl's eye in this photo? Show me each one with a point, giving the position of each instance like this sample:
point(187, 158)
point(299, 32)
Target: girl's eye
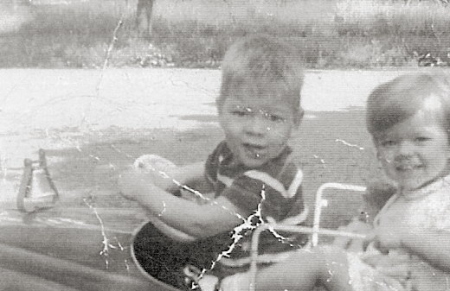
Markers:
point(422, 139)
point(239, 113)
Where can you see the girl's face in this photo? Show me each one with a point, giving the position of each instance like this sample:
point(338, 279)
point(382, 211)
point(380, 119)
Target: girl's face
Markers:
point(415, 151)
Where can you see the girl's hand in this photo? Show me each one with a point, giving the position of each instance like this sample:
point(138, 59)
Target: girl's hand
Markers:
point(237, 282)
point(385, 238)
point(353, 245)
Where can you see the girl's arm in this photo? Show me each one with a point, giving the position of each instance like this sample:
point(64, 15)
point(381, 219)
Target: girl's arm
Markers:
point(198, 221)
point(431, 245)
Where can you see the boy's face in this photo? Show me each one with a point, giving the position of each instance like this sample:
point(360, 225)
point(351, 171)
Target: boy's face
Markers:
point(257, 129)
point(415, 151)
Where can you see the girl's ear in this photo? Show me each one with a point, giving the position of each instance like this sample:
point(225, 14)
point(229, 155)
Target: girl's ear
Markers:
point(298, 118)
point(376, 144)
point(220, 117)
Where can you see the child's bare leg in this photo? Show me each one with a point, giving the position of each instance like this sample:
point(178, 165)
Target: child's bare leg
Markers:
point(327, 267)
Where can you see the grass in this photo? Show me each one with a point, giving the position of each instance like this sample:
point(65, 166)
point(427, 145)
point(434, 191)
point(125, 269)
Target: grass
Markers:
point(196, 33)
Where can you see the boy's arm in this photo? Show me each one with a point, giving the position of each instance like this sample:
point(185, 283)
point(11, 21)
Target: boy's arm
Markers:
point(193, 176)
point(198, 221)
point(169, 231)
point(190, 175)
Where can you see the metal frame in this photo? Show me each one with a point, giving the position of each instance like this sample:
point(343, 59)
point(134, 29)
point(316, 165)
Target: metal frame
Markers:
point(320, 202)
point(29, 169)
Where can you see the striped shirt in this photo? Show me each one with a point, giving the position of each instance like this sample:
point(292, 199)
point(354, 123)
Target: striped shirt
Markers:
point(281, 200)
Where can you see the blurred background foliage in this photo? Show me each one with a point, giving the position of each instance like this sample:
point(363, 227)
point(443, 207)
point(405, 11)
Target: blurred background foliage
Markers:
point(196, 33)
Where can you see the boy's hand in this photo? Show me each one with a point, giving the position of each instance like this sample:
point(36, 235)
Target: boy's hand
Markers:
point(159, 171)
point(129, 181)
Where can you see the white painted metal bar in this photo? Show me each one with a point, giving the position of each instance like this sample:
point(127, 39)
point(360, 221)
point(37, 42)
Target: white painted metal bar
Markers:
point(288, 228)
point(319, 204)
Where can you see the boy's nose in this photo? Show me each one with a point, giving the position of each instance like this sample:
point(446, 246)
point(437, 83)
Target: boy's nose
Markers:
point(256, 126)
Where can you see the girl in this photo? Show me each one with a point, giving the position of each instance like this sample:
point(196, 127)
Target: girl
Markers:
point(409, 249)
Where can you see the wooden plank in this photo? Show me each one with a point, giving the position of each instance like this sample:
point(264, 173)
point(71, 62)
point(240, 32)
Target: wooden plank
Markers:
point(19, 261)
point(18, 281)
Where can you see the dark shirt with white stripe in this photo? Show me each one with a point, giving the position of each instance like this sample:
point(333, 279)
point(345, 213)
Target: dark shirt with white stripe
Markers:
point(271, 192)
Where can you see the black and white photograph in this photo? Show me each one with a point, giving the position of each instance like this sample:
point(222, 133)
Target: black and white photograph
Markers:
point(224, 145)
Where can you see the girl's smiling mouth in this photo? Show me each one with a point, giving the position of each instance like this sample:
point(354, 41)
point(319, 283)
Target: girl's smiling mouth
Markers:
point(406, 167)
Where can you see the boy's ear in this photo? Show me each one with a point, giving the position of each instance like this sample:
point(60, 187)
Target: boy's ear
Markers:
point(219, 106)
point(448, 153)
point(219, 114)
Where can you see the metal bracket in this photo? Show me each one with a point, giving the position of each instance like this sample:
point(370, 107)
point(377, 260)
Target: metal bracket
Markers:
point(36, 177)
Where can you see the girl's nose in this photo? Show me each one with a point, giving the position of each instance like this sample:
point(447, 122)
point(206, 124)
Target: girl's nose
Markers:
point(405, 148)
point(256, 125)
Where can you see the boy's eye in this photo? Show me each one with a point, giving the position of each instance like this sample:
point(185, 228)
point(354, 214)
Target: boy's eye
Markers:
point(240, 111)
point(274, 117)
point(422, 139)
point(388, 143)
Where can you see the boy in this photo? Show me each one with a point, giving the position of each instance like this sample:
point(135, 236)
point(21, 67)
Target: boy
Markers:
point(250, 173)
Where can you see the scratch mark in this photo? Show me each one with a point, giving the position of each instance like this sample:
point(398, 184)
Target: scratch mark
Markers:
point(106, 241)
point(164, 209)
point(349, 144)
point(122, 248)
point(109, 51)
point(322, 161)
point(84, 121)
point(247, 224)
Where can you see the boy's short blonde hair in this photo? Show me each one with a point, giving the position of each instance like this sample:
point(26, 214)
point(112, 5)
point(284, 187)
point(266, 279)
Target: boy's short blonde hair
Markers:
point(260, 66)
point(395, 101)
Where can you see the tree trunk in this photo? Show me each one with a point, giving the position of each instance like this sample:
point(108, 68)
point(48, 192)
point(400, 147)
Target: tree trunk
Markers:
point(144, 17)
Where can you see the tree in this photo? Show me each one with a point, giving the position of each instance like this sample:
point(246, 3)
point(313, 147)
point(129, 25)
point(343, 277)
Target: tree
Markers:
point(144, 17)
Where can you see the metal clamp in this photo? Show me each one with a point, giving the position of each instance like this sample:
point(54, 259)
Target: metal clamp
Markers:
point(36, 178)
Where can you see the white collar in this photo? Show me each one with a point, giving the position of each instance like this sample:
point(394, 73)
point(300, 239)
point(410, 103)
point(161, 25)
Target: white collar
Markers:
point(409, 195)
